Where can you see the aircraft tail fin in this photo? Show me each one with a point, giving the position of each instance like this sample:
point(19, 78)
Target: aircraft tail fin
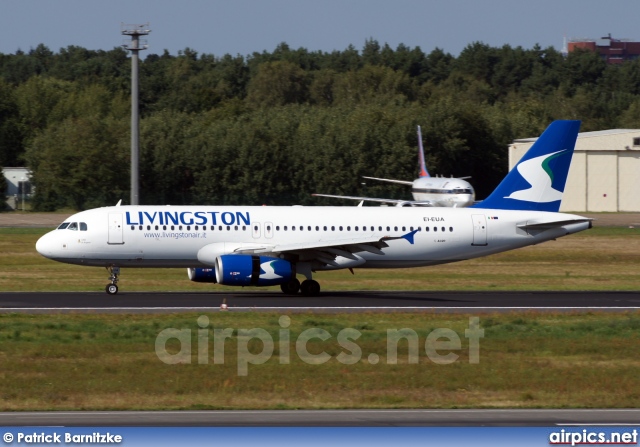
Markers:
point(423, 165)
point(537, 182)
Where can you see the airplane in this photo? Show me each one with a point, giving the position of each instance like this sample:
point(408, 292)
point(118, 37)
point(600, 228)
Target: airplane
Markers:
point(272, 245)
point(426, 190)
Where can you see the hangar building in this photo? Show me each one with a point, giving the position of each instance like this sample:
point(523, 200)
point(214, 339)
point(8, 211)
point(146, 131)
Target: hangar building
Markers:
point(604, 173)
point(18, 186)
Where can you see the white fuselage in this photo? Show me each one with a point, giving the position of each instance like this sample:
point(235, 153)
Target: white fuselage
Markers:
point(172, 236)
point(443, 192)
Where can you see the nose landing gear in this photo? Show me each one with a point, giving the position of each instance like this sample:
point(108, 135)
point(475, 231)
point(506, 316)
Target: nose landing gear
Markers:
point(112, 287)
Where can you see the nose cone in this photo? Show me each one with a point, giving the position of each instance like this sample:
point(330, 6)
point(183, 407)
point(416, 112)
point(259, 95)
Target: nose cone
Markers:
point(46, 245)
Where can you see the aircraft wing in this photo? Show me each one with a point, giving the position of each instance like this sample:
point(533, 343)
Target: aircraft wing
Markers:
point(402, 182)
point(397, 202)
point(326, 252)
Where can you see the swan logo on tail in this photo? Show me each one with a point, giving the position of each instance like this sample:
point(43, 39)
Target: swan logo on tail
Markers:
point(537, 172)
point(538, 181)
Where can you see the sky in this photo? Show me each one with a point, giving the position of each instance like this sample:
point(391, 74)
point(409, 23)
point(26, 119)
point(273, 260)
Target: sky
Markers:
point(242, 27)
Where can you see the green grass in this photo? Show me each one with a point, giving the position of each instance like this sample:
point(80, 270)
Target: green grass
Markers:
point(603, 258)
point(99, 362)
point(88, 362)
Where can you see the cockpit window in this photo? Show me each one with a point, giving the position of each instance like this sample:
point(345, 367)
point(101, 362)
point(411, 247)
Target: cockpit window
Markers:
point(63, 225)
point(73, 226)
point(83, 226)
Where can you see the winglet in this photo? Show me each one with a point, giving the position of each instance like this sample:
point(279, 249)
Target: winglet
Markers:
point(423, 165)
point(409, 236)
point(538, 180)
point(119, 202)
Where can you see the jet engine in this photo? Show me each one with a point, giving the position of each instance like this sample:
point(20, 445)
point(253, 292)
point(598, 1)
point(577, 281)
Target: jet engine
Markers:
point(202, 275)
point(248, 270)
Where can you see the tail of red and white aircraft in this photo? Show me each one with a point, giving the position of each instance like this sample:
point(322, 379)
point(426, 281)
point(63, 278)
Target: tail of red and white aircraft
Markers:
point(427, 191)
point(423, 165)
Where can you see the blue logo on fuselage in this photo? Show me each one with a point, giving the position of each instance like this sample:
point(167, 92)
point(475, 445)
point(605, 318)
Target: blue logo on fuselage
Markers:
point(188, 218)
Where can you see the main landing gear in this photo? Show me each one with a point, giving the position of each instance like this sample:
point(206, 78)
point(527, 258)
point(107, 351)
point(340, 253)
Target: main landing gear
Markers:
point(309, 287)
point(112, 287)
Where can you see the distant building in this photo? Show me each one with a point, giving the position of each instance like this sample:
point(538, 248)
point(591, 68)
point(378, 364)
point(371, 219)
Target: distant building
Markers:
point(604, 171)
point(613, 51)
point(18, 186)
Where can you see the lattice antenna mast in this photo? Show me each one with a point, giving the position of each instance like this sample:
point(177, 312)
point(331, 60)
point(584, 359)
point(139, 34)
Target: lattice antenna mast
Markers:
point(135, 45)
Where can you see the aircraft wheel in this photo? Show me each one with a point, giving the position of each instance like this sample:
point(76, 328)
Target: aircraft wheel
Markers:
point(310, 287)
point(111, 289)
point(291, 288)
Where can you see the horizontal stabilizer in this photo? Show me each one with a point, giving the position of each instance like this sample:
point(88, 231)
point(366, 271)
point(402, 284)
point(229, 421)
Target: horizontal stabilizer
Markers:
point(550, 225)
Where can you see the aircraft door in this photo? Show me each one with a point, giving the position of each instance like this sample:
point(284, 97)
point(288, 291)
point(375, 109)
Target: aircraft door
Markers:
point(255, 229)
point(479, 229)
point(115, 229)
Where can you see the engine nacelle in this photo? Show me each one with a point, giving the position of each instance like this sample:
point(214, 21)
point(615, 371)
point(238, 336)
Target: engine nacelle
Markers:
point(248, 270)
point(202, 275)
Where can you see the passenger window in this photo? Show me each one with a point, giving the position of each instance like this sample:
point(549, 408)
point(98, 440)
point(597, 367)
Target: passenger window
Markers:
point(426, 229)
point(435, 228)
point(451, 229)
point(83, 226)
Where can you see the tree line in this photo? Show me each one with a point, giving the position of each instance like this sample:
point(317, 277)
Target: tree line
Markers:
point(274, 127)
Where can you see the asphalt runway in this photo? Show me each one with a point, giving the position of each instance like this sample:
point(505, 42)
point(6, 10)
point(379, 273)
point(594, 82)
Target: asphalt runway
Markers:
point(327, 418)
point(358, 301)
